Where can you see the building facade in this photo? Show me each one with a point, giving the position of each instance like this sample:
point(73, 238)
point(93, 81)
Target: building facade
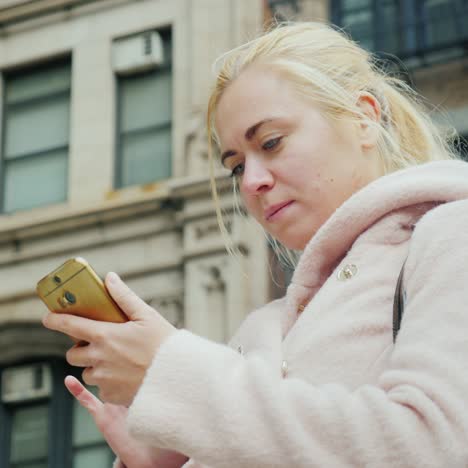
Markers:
point(103, 155)
point(425, 41)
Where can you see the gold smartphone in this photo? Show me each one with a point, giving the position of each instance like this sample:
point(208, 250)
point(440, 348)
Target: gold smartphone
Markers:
point(75, 288)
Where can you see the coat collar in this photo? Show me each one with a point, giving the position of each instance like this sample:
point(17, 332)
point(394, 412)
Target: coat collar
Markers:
point(417, 187)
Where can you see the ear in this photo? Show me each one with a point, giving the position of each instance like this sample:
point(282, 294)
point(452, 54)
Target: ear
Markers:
point(370, 108)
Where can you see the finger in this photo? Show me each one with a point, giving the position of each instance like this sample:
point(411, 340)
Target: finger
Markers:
point(88, 376)
point(134, 307)
point(85, 397)
point(80, 328)
point(81, 356)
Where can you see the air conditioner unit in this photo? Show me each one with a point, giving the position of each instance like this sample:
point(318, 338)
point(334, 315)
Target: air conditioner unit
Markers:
point(24, 383)
point(137, 53)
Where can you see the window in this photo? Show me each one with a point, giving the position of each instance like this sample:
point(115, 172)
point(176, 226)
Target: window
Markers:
point(29, 429)
point(34, 162)
point(42, 425)
point(357, 17)
point(407, 28)
point(444, 22)
point(144, 122)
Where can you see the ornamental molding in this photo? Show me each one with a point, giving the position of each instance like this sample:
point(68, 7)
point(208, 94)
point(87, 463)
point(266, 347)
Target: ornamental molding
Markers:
point(15, 11)
point(171, 307)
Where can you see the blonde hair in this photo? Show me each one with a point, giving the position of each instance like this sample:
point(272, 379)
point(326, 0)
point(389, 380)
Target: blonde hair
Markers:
point(325, 66)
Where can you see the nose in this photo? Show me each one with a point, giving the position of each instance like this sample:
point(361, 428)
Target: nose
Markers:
point(257, 177)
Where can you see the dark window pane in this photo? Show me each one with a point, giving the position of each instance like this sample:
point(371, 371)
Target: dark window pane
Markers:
point(145, 101)
point(30, 465)
point(462, 18)
point(98, 457)
point(38, 83)
point(36, 138)
point(360, 25)
point(46, 124)
point(433, 30)
point(35, 181)
point(29, 435)
point(355, 4)
point(441, 26)
point(146, 157)
point(387, 32)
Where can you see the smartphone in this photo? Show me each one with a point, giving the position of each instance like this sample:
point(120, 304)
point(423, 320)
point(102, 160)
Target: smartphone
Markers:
point(75, 288)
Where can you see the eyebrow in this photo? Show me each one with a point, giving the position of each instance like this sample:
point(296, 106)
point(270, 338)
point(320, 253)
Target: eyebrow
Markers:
point(249, 134)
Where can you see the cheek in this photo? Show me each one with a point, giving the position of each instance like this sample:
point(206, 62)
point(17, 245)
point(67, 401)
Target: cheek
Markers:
point(252, 205)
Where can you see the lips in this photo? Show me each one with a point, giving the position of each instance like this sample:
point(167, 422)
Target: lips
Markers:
point(273, 209)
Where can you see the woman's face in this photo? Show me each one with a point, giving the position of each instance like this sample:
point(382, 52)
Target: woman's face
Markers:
point(294, 168)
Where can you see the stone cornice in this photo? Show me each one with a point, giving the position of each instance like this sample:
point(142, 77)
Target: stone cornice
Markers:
point(31, 9)
point(15, 228)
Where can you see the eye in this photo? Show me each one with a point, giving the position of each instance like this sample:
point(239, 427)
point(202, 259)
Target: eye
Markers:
point(271, 144)
point(237, 170)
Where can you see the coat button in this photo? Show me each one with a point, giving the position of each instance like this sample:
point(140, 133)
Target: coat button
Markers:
point(284, 368)
point(347, 272)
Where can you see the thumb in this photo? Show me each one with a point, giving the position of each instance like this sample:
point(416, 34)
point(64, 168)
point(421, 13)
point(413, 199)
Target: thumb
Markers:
point(84, 397)
point(133, 307)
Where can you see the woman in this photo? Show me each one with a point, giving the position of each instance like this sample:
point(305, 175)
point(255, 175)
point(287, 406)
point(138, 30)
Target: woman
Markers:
point(336, 160)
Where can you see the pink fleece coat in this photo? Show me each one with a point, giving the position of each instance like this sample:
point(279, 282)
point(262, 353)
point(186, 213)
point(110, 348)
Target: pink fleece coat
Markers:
point(327, 387)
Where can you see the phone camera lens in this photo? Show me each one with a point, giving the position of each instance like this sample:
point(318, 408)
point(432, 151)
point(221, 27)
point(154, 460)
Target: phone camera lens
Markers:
point(69, 297)
point(57, 279)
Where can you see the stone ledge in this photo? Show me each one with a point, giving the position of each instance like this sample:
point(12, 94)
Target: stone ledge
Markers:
point(62, 218)
point(24, 10)
point(20, 341)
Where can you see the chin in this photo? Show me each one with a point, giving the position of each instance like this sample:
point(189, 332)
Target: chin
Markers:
point(295, 241)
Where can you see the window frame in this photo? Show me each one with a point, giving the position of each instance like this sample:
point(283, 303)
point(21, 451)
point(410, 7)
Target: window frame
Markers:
point(59, 415)
point(166, 35)
point(61, 451)
point(5, 108)
point(411, 28)
point(11, 408)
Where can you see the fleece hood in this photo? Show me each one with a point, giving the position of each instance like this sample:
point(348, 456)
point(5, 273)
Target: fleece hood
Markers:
point(414, 190)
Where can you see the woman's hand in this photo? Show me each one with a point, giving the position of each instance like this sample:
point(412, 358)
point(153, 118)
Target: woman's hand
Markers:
point(110, 420)
point(118, 354)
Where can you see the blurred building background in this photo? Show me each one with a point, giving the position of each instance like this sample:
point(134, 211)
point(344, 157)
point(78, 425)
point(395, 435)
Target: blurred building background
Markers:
point(103, 155)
